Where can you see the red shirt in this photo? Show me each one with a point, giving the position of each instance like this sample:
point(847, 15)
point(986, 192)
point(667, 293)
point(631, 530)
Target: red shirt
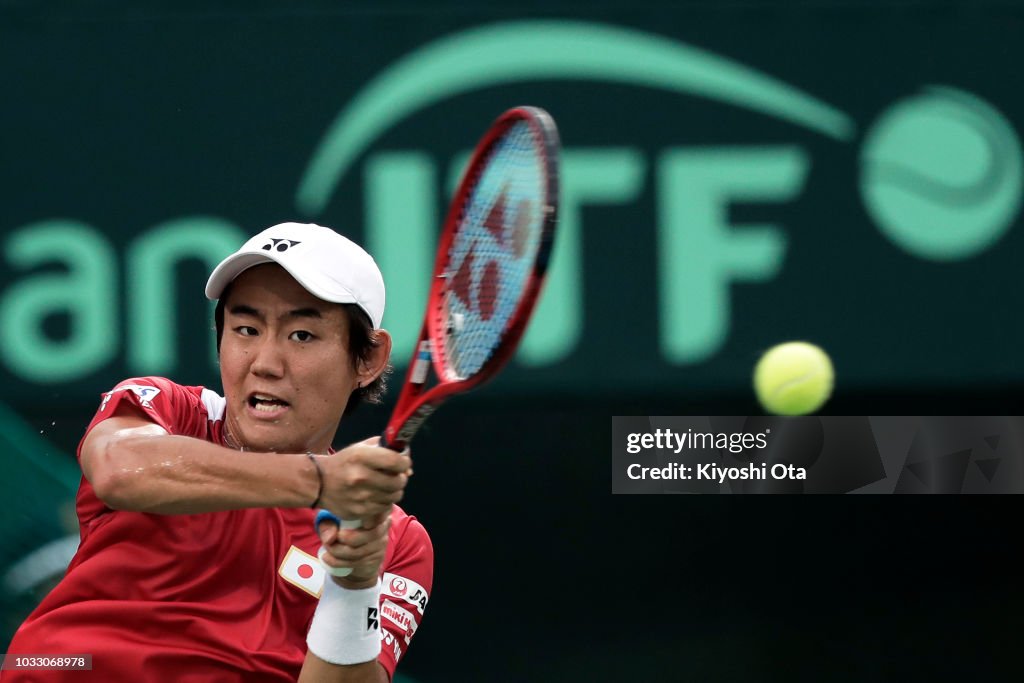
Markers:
point(219, 596)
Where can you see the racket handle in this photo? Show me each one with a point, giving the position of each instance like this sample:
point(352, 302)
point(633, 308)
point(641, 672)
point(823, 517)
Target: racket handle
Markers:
point(327, 515)
point(396, 446)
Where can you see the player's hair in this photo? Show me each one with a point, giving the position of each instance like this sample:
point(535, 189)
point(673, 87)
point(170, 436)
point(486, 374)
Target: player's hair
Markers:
point(361, 341)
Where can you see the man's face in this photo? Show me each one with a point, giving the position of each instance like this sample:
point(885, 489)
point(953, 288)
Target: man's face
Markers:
point(284, 363)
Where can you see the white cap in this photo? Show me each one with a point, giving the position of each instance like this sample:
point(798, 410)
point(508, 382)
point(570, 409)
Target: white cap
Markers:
point(329, 266)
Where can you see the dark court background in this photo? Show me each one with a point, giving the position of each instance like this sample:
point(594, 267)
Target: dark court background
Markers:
point(735, 175)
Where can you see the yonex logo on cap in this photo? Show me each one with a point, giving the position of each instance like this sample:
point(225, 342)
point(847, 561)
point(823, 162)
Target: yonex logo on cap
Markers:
point(279, 244)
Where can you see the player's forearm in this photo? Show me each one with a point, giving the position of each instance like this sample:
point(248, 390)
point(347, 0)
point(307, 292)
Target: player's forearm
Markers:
point(316, 670)
point(181, 475)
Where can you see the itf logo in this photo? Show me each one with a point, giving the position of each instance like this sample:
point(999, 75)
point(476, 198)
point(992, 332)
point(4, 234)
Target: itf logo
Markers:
point(939, 174)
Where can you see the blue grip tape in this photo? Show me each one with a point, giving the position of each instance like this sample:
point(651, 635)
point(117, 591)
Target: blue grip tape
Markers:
point(323, 516)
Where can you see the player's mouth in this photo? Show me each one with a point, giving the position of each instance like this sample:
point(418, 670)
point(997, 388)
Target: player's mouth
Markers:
point(266, 406)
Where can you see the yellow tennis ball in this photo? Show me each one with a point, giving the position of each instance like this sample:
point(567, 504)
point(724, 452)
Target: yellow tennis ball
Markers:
point(794, 378)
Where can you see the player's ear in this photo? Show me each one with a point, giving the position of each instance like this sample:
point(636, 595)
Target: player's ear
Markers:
point(376, 359)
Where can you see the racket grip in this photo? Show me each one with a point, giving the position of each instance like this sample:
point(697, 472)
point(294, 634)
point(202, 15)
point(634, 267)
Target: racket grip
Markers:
point(396, 446)
point(328, 516)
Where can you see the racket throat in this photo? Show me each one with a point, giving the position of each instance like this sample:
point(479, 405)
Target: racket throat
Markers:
point(408, 428)
point(422, 365)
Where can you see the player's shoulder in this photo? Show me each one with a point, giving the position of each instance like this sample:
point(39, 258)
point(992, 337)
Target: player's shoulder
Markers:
point(144, 387)
point(407, 529)
point(164, 390)
point(401, 518)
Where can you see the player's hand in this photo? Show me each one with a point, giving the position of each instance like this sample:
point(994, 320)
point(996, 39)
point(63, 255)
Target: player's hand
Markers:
point(361, 550)
point(363, 480)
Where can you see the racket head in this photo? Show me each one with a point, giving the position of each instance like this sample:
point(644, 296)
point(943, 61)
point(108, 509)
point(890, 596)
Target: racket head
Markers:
point(492, 258)
point(495, 248)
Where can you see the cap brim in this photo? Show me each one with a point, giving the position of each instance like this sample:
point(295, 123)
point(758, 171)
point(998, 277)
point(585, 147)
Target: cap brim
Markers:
point(236, 264)
point(230, 268)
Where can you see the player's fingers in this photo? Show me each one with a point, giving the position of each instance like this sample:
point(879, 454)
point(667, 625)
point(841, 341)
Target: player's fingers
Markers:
point(372, 531)
point(383, 459)
point(373, 508)
point(375, 520)
point(367, 570)
point(389, 483)
point(352, 538)
point(361, 509)
point(328, 533)
point(371, 480)
point(326, 527)
point(330, 558)
point(394, 497)
point(377, 466)
point(376, 503)
point(357, 554)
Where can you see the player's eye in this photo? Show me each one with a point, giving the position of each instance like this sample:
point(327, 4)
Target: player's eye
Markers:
point(246, 331)
point(301, 336)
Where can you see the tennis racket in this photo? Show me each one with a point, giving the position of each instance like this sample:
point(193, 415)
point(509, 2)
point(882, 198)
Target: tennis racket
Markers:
point(491, 261)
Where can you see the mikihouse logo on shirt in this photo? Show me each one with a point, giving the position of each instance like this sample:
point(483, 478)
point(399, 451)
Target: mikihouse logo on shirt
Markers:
point(303, 570)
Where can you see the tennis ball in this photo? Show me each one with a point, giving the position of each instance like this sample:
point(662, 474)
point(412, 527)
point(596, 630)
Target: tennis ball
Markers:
point(794, 378)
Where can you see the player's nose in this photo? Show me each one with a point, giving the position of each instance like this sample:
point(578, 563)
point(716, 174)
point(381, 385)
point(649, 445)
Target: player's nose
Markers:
point(268, 359)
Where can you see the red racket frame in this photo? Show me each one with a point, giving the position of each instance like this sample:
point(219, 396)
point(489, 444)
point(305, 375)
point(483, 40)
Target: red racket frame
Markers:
point(416, 403)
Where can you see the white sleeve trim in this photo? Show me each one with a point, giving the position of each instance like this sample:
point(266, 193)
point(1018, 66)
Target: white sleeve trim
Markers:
point(214, 403)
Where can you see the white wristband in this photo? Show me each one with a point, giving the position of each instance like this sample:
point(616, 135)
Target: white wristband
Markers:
point(346, 625)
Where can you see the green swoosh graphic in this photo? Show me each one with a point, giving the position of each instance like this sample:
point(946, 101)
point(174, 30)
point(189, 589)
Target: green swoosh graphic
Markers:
point(525, 50)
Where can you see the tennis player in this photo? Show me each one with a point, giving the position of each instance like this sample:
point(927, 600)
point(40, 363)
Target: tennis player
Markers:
point(198, 558)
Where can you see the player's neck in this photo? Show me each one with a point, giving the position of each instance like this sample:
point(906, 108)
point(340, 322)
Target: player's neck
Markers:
point(229, 440)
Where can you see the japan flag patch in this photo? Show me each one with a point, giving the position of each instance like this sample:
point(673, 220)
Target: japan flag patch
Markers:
point(303, 570)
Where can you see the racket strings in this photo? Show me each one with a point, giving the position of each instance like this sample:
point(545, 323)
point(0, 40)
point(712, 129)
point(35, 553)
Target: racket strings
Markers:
point(493, 251)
